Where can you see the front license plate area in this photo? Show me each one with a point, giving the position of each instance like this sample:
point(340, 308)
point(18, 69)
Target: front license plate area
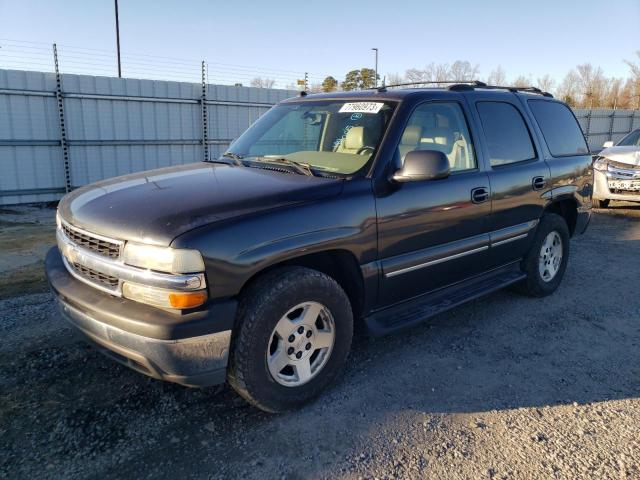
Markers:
point(627, 185)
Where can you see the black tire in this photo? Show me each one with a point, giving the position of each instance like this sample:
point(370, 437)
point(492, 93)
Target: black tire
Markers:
point(261, 307)
point(600, 203)
point(534, 285)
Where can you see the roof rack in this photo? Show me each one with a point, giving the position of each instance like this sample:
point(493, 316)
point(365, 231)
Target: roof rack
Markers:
point(383, 87)
point(461, 85)
point(465, 86)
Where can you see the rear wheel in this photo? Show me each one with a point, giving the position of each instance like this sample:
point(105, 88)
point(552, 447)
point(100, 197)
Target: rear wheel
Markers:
point(600, 203)
point(292, 338)
point(546, 261)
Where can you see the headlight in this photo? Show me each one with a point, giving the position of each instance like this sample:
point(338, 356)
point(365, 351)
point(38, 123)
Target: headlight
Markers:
point(163, 259)
point(600, 164)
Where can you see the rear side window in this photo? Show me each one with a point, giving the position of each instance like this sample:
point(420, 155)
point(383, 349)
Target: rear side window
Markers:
point(507, 136)
point(559, 128)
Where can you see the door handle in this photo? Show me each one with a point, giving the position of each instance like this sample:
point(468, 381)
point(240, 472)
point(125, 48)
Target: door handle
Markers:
point(538, 183)
point(479, 195)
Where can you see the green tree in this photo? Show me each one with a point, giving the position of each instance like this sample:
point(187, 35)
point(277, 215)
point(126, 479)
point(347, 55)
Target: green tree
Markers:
point(352, 80)
point(358, 79)
point(368, 78)
point(329, 84)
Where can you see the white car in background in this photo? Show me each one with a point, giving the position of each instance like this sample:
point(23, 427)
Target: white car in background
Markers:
point(616, 171)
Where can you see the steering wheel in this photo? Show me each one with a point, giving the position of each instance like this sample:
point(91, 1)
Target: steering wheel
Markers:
point(365, 150)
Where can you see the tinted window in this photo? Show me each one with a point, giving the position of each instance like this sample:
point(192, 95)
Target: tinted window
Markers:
point(506, 134)
point(559, 128)
point(439, 126)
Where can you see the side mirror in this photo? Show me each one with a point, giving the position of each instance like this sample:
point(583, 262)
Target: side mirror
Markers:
point(607, 144)
point(420, 165)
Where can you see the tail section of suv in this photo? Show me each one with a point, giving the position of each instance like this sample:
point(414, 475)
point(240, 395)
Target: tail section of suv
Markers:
point(384, 206)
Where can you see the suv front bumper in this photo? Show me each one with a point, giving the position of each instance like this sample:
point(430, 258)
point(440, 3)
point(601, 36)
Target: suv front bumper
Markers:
point(191, 349)
point(601, 189)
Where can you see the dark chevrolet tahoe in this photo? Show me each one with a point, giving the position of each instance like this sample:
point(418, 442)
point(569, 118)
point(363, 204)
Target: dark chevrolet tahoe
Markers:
point(385, 206)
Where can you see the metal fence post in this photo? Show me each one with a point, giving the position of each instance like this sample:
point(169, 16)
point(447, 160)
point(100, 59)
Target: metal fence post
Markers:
point(612, 118)
point(63, 130)
point(588, 129)
point(205, 122)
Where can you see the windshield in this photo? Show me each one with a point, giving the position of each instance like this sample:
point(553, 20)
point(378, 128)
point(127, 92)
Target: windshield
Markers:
point(631, 140)
point(336, 137)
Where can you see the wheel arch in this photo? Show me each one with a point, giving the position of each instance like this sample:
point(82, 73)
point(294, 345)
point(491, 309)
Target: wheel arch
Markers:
point(567, 208)
point(339, 264)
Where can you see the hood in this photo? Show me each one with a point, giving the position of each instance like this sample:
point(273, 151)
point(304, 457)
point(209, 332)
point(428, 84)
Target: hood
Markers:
point(623, 154)
point(158, 205)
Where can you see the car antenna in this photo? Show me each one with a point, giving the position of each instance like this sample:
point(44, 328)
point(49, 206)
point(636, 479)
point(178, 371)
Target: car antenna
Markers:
point(383, 87)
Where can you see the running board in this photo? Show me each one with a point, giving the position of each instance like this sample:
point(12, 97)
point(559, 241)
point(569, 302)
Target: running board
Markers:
point(417, 310)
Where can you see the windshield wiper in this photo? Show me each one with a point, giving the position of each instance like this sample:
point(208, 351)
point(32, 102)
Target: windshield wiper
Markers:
point(301, 168)
point(237, 159)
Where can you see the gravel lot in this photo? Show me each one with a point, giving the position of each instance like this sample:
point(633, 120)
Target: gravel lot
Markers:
point(505, 387)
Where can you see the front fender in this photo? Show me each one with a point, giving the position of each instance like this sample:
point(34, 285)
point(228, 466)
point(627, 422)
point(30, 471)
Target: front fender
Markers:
point(235, 251)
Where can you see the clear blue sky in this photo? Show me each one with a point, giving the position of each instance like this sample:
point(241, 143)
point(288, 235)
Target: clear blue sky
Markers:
point(332, 37)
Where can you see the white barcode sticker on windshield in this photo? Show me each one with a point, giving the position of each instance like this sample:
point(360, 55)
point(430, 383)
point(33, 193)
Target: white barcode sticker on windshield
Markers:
point(361, 107)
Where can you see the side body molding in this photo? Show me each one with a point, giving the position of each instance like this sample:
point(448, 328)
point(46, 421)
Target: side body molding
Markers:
point(409, 262)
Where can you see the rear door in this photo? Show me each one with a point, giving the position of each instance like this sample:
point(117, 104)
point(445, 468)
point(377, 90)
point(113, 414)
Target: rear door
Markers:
point(518, 174)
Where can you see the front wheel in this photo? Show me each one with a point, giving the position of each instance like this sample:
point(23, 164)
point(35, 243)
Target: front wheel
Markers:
point(292, 338)
point(546, 261)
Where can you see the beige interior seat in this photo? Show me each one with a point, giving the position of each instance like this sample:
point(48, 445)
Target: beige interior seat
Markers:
point(460, 157)
point(410, 140)
point(354, 140)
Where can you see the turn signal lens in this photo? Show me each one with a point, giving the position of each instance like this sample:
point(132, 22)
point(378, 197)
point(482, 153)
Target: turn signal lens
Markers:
point(187, 300)
point(159, 297)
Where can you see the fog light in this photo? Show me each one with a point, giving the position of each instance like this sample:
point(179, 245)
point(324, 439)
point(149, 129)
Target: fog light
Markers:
point(159, 297)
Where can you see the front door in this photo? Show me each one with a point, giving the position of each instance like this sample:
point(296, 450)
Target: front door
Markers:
point(434, 233)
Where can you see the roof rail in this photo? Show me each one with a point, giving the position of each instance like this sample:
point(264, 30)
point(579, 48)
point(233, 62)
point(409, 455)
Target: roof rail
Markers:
point(465, 86)
point(476, 83)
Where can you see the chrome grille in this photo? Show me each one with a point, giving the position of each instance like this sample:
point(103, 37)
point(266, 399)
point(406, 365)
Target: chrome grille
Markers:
point(96, 277)
point(90, 242)
point(625, 166)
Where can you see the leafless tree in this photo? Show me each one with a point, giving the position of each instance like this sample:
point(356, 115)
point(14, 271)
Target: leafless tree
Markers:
point(635, 79)
point(521, 81)
point(265, 82)
point(591, 84)
point(568, 89)
point(497, 76)
point(546, 83)
point(394, 79)
point(464, 70)
point(438, 72)
point(612, 92)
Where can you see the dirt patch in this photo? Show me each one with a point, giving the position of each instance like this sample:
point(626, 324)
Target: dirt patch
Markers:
point(23, 281)
point(506, 387)
point(26, 234)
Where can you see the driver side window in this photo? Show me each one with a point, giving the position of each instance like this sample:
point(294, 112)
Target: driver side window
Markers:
point(440, 126)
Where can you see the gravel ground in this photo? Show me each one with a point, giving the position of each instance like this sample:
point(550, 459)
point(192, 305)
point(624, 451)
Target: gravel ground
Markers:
point(505, 387)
